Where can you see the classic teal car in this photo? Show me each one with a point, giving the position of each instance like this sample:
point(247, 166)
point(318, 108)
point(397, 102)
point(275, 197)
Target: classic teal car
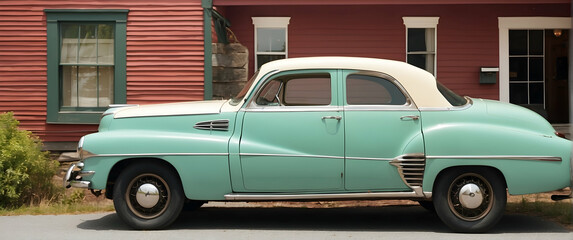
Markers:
point(324, 128)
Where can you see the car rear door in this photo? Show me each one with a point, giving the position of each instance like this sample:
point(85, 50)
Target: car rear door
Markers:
point(381, 124)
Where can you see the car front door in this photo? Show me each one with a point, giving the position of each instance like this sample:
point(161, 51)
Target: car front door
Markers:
point(293, 134)
point(381, 124)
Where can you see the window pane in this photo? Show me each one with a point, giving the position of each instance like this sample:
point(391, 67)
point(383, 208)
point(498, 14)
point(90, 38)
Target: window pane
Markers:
point(87, 86)
point(268, 96)
point(368, 90)
point(271, 40)
point(518, 68)
point(105, 86)
point(303, 91)
point(518, 93)
point(105, 45)
point(423, 61)
point(536, 42)
point(69, 86)
point(536, 69)
point(69, 51)
point(418, 60)
point(88, 42)
point(417, 40)
point(262, 59)
point(517, 42)
point(536, 93)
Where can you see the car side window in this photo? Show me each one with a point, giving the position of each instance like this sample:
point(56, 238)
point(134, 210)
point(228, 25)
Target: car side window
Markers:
point(297, 90)
point(372, 90)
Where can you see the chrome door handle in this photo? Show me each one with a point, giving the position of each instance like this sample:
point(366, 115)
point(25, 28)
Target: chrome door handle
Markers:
point(338, 118)
point(409, 117)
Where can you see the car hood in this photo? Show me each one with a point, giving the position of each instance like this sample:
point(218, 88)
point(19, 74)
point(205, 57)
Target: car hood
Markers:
point(169, 109)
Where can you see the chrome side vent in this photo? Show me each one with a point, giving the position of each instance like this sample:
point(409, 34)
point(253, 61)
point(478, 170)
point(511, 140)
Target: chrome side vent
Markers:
point(411, 168)
point(217, 125)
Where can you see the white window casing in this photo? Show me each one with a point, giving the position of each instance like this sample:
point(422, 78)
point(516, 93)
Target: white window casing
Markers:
point(270, 23)
point(425, 23)
point(520, 23)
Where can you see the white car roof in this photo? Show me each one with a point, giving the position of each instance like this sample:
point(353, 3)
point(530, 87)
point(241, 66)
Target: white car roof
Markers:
point(420, 84)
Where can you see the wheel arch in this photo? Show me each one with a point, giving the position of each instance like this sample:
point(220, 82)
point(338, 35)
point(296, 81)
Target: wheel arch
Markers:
point(470, 168)
point(121, 165)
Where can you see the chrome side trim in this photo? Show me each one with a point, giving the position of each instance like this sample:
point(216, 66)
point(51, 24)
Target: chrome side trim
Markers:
point(295, 109)
point(506, 157)
point(217, 125)
point(410, 104)
point(408, 107)
point(157, 154)
point(122, 105)
point(371, 159)
point(287, 155)
point(411, 168)
point(332, 196)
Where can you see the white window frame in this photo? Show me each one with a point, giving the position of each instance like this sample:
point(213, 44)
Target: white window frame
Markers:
point(270, 22)
point(520, 23)
point(423, 22)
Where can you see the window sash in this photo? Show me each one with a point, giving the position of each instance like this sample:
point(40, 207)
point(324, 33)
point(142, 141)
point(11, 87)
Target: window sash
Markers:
point(86, 65)
point(429, 49)
point(526, 86)
point(56, 112)
point(271, 26)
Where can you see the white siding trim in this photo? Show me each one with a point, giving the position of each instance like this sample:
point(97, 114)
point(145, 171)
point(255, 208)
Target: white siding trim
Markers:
point(509, 23)
point(271, 22)
point(421, 22)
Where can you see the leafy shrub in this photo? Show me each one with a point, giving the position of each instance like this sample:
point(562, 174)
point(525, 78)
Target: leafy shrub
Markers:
point(26, 171)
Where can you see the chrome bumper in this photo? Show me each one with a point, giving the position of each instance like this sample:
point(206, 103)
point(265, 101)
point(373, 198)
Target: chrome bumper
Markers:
point(74, 175)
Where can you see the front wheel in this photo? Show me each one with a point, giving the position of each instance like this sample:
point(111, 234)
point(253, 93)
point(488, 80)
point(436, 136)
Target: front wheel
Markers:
point(470, 200)
point(148, 196)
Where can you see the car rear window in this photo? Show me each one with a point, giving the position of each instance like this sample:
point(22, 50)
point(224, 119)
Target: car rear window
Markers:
point(451, 96)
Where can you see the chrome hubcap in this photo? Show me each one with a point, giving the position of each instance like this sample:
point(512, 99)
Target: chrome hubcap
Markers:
point(147, 195)
point(471, 196)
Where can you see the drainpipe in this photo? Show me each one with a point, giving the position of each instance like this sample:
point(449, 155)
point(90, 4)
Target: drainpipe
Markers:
point(208, 51)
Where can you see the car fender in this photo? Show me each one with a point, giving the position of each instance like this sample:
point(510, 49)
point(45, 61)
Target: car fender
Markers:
point(201, 160)
point(529, 161)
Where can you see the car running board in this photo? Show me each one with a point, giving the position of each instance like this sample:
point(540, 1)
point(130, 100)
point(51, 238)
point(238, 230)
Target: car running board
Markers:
point(416, 194)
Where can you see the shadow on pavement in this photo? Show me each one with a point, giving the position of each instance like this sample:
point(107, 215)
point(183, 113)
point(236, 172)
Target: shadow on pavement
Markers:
point(388, 218)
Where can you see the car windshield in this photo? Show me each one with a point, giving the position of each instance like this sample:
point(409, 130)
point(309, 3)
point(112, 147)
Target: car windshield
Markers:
point(451, 96)
point(239, 97)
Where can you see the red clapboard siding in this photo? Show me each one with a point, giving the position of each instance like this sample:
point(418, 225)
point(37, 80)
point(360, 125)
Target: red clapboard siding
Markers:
point(467, 34)
point(164, 57)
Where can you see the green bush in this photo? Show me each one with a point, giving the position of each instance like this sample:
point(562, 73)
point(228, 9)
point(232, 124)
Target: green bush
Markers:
point(26, 171)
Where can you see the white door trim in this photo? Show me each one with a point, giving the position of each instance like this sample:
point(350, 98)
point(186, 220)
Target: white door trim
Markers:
point(507, 23)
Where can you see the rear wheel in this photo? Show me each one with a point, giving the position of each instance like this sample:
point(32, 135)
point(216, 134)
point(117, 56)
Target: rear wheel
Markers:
point(470, 200)
point(148, 196)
